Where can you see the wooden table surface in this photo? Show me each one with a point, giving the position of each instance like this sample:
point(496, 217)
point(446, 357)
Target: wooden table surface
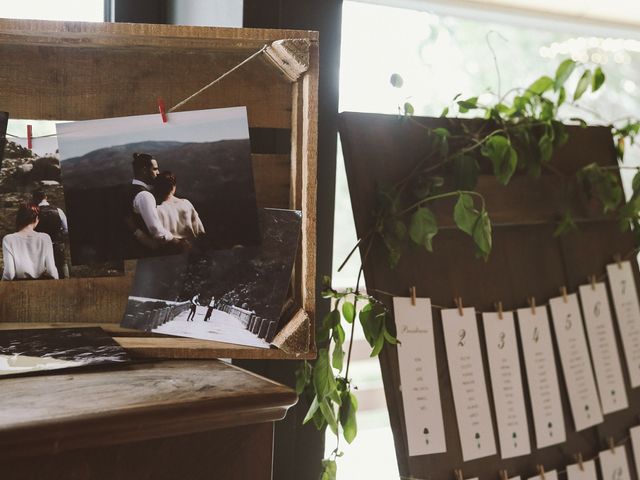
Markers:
point(49, 414)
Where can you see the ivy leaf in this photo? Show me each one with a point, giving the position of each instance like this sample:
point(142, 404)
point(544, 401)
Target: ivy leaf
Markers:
point(620, 148)
point(338, 353)
point(482, 234)
point(464, 214)
point(465, 172)
point(348, 411)
point(545, 144)
point(303, 376)
point(563, 72)
point(423, 227)
point(441, 140)
point(329, 415)
point(465, 105)
point(312, 410)
point(329, 321)
point(562, 96)
point(349, 311)
point(323, 379)
point(635, 184)
point(503, 157)
point(583, 83)
point(540, 86)
point(597, 79)
point(408, 109)
point(396, 80)
point(445, 112)
point(566, 225)
point(601, 184)
point(329, 470)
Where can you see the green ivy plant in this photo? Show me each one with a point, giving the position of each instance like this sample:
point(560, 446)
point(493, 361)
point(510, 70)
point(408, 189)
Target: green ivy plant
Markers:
point(521, 133)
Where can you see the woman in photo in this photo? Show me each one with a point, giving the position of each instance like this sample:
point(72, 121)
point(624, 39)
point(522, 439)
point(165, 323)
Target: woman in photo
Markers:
point(176, 214)
point(28, 254)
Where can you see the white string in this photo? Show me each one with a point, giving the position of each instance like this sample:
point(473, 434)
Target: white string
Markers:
point(189, 98)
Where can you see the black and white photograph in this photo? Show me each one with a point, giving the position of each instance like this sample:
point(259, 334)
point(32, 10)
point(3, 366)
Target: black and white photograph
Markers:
point(33, 221)
point(234, 296)
point(136, 187)
point(42, 349)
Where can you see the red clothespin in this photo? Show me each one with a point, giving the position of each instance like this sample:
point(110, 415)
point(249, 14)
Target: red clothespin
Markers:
point(29, 137)
point(162, 110)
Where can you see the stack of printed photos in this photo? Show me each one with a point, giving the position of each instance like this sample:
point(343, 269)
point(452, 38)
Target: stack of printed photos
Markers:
point(178, 197)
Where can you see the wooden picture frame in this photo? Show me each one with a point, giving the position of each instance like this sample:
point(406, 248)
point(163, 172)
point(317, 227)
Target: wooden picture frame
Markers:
point(79, 71)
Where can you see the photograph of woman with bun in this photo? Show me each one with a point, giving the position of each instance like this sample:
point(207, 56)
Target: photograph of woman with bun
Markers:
point(28, 254)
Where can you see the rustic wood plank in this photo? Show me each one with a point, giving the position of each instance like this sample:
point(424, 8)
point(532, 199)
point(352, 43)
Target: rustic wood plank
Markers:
point(55, 413)
point(99, 83)
point(220, 454)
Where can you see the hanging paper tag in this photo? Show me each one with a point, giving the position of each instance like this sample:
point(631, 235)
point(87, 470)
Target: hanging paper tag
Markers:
point(468, 384)
point(635, 446)
point(506, 384)
point(542, 377)
point(552, 475)
point(625, 302)
point(604, 350)
point(587, 472)
point(419, 376)
point(576, 362)
point(613, 465)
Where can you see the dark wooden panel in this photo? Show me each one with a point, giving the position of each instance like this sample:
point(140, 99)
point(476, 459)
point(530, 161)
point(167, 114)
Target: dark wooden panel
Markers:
point(226, 454)
point(526, 261)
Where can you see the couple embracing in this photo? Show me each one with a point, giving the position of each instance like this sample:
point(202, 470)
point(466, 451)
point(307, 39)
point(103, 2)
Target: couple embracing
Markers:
point(156, 221)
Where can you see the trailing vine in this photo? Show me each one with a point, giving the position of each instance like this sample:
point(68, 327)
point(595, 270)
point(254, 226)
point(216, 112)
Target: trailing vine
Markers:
point(520, 133)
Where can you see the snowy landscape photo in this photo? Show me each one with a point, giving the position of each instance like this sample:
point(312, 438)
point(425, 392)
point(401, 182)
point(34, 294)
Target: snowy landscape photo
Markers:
point(234, 296)
point(136, 187)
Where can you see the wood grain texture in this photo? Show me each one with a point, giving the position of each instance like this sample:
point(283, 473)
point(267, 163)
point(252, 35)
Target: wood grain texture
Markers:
point(526, 260)
point(56, 413)
point(71, 70)
point(237, 453)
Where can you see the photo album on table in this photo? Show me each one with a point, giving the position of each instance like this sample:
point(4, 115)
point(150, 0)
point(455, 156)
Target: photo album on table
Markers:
point(177, 196)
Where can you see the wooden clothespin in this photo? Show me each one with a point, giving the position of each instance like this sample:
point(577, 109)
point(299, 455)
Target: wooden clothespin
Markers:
point(503, 475)
point(458, 302)
point(593, 279)
point(499, 309)
point(612, 445)
point(162, 110)
point(29, 137)
point(458, 474)
point(563, 291)
point(412, 293)
point(618, 260)
point(532, 304)
point(540, 469)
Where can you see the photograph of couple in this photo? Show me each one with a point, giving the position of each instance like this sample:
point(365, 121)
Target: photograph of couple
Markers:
point(136, 187)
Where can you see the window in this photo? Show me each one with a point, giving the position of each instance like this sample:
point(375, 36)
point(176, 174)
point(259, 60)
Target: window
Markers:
point(438, 57)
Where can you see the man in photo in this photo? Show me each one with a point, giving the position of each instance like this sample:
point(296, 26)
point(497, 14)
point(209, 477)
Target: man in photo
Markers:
point(53, 222)
point(141, 213)
point(195, 301)
point(212, 304)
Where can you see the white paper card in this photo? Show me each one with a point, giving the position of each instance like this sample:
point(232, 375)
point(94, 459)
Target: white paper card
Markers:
point(468, 384)
point(635, 447)
point(552, 475)
point(625, 302)
point(576, 361)
point(604, 350)
point(542, 377)
point(419, 376)
point(506, 384)
point(613, 465)
point(587, 472)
